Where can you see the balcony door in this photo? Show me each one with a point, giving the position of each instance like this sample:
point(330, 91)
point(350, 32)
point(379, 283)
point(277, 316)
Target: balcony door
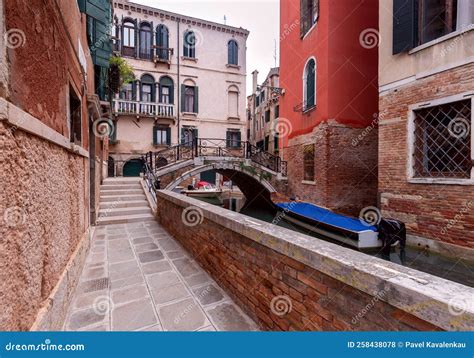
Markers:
point(162, 42)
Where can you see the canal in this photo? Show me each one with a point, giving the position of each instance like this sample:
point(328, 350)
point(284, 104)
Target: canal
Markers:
point(419, 258)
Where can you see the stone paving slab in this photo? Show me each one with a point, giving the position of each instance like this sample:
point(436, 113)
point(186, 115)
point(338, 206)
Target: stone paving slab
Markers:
point(137, 277)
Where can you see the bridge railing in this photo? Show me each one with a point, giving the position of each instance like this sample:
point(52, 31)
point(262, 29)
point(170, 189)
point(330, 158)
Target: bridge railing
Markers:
point(215, 147)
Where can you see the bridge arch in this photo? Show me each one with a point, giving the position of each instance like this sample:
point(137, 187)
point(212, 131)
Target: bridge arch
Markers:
point(256, 189)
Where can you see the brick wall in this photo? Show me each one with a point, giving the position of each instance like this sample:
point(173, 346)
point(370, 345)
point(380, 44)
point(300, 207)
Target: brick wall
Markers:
point(263, 281)
point(439, 212)
point(345, 168)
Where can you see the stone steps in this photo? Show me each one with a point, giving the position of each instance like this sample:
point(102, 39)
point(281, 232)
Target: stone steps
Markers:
point(110, 212)
point(122, 200)
point(125, 219)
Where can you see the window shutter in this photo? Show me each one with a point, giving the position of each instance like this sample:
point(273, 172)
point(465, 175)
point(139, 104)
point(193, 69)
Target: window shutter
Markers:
point(134, 91)
point(182, 135)
point(168, 136)
point(227, 139)
point(404, 25)
point(229, 52)
point(153, 92)
point(155, 135)
point(182, 98)
point(171, 89)
point(239, 138)
point(196, 99)
point(195, 133)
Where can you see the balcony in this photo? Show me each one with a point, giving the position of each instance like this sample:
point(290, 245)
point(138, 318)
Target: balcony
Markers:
point(151, 109)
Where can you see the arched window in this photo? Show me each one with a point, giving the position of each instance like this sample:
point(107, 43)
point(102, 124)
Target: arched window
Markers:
point(189, 44)
point(145, 41)
point(233, 102)
point(232, 53)
point(147, 92)
point(162, 42)
point(309, 84)
point(166, 90)
point(128, 38)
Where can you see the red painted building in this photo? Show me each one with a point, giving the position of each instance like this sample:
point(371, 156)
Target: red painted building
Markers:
point(328, 68)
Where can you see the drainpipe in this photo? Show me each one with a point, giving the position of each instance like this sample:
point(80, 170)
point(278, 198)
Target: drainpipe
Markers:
point(178, 84)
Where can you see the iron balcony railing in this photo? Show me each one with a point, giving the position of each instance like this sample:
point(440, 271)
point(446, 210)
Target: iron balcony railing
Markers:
point(122, 106)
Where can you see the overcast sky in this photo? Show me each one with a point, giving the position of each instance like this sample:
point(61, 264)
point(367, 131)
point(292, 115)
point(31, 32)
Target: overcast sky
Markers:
point(260, 17)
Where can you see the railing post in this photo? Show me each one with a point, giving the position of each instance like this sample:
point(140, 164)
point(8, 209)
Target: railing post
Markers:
point(195, 145)
point(151, 159)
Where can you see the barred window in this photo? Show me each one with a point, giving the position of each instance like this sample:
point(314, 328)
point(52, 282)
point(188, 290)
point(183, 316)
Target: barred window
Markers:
point(308, 162)
point(442, 141)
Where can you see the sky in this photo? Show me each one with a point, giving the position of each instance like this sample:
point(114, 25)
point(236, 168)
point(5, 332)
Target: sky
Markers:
point(260, 17)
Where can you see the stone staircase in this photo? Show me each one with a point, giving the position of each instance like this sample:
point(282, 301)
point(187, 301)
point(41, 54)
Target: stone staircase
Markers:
point(122, 200)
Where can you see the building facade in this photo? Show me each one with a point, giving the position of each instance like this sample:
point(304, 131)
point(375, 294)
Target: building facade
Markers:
point(426, 152)
point(53, 156)
point(328, 70)
point(189, 82)
point(263, 111)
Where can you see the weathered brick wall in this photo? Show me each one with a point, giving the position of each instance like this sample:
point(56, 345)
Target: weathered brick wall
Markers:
point(345, 168)
point(438, 212)
point(255, 276)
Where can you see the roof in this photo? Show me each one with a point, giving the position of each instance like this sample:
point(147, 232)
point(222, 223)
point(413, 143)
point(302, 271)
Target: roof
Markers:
point(180, 17)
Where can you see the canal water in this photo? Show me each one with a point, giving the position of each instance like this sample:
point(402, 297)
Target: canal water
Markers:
point(422, 259)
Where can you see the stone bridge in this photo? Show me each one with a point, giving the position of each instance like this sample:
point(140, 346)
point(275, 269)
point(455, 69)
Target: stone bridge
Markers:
point(258, 174)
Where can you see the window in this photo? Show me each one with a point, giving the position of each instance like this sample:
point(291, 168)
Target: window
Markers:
point(147, 89)
point(162, 42)
point(166, 90)
point(267, 140)
point(189, 99)
point(188, 134)
point(233, 138)
point(145, 41)
point(277, 112)
point(267, 115)
point(442, 141)
point(127, 92)
point(309, 12)
point(308, 162)
point(309, 85)
point(161, 135)
point(75, 117)
point(233, 102)
point(416, 22)
point(189, 44)
point(275, 143)
point(232, 53)
point(128, 40)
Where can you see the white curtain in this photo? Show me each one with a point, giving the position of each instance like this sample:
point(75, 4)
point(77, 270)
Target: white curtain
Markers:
point(465, 16)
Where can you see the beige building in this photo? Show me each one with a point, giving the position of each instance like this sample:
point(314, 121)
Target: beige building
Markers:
point(263, 112)
point(426, 152)
point(190, 82)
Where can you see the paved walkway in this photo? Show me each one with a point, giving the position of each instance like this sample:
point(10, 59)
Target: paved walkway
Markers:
point(137, 277)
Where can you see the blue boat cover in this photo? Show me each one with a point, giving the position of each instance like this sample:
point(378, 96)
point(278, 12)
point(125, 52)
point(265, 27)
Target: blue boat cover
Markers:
point(317, 213)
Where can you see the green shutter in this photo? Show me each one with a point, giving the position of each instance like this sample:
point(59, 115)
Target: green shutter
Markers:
point(182, 135)
point(239, 138)
point(183, 87)
point(196, 99)
point(227, 139)
point(195, 133)
point(168, 136)
point(155, 135)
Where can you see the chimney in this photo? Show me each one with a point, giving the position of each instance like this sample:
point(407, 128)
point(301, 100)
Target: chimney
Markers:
point(254, 81)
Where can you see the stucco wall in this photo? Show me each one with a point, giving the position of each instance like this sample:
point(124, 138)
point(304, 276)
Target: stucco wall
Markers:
point(404, 65)
point(44, 211)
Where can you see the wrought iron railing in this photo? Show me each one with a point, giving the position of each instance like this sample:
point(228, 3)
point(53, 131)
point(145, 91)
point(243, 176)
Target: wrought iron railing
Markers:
point(208, 147)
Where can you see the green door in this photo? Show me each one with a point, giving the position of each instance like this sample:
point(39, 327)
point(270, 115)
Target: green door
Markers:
point(132, 168)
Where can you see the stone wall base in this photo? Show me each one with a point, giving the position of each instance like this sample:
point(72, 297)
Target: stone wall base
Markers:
point(52, 314)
